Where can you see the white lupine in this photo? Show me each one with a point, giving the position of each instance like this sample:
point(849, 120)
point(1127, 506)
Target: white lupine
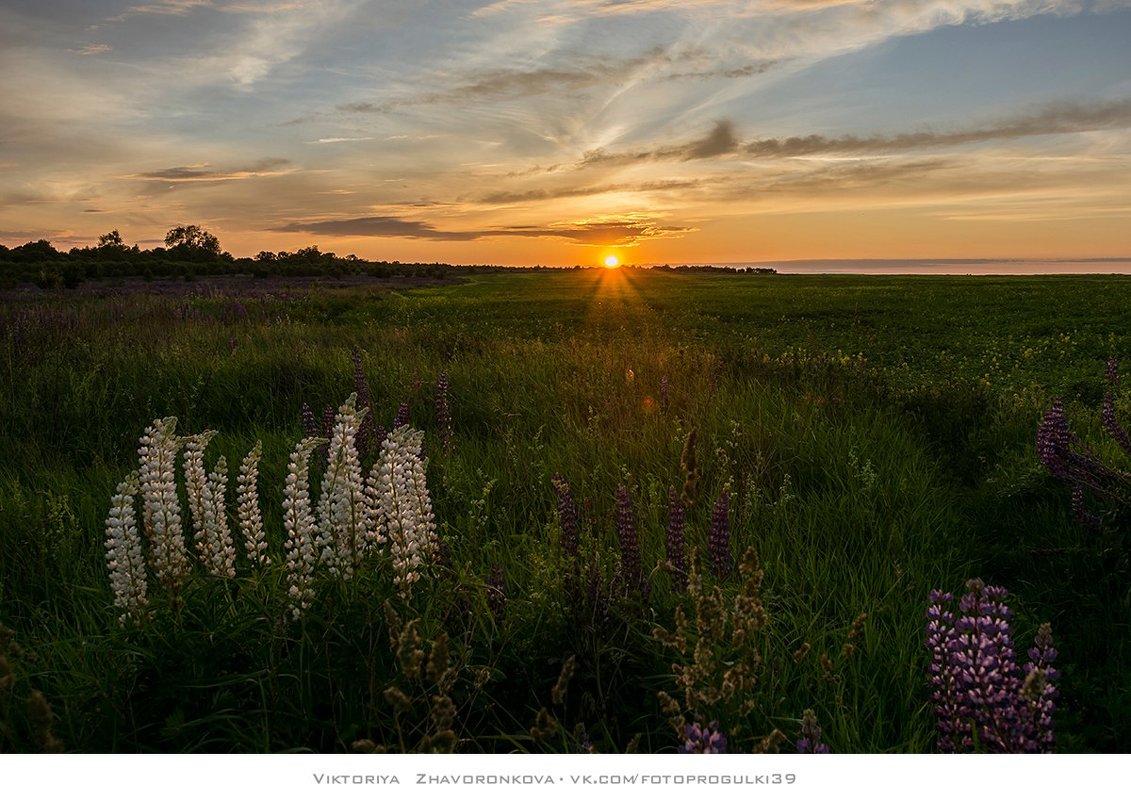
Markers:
point(196, 481)
point(299, 526)
point(343, 514)
point(161, 507)
point(124, 557)
point(247, 502)
point(218, 552)
point(405, 506)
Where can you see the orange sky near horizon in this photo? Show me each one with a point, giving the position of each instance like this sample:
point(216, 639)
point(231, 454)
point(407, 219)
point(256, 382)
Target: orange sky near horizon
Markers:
point(551, 132)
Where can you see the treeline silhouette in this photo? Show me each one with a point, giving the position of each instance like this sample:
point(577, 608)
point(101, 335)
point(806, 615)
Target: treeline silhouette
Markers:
point(189, 253)
point(192, 252)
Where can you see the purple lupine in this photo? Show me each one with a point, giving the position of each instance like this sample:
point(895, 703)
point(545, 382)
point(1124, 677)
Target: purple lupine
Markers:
point(1080, 510)
point(718, 542)
point(703, 739)
point(443, 413)
point(1070, 461)
point(309, 424)
point(631, 567)
point(1039, 678)
point(365, 440)
point(677, 556)
point(1052, 439)
point(567, 517)
point(1111, 372)
point(402, 416)
point(665, 387)
point(810, 740)
point(1111, 425)
point(982, 700)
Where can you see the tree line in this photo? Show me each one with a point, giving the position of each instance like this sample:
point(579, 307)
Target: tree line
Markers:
point(189, 252)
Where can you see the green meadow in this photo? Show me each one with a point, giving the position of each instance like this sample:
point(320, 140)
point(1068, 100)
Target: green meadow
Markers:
point(875, 438)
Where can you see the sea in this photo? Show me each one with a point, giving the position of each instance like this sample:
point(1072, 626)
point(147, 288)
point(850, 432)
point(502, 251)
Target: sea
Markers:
point(943, 266)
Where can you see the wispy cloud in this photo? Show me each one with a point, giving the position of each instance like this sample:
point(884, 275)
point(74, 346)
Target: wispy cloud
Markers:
point(1063, 117)
point(333, 140)
point(604, 232)
point(203, 173)
point(93, 49)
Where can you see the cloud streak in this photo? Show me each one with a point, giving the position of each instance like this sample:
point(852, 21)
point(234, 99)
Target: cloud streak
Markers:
point(624, 232)
point(1064, 117)
point(202, 174)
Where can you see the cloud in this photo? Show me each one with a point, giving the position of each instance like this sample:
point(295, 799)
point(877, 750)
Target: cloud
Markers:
point(93, 49)
point(519, 83)
point(331, 140)
point(605, 232)
point(378, 226)
point(720, 141)
point(534, 195)
point(201, 173)
point(1064, 117)
point(177, 8)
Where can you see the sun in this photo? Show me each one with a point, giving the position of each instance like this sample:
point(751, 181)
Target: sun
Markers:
point(612, 262)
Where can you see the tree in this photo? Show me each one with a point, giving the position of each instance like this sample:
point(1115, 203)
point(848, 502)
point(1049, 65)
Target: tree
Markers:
point(192, 237)
point(112, 240)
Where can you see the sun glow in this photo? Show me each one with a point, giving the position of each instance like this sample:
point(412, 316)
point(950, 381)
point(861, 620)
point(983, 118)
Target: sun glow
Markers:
point(612, 262)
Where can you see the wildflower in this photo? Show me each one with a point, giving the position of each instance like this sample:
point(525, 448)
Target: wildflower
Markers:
point(247, 502)
point(567, 518)
point(981, 698)
point(677, 556)
point(631, 566)
point(124, 557)
point(161, 507)
point(364, 441)
point(398, 486)
point(344, 519)
point(196, 479)
point(810, 741)
point(402, 416)
point(1038, 688)
point(443, 413)
point(217, 549)
point(665, 389)
point(299, 526)
point(309, 424)
point(1111, 425)
point(719, 539)
point(1070, 461)
point(690, 469)
point(703, 739)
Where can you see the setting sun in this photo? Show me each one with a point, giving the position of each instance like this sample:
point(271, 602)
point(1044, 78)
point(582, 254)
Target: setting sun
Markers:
point(611, 262)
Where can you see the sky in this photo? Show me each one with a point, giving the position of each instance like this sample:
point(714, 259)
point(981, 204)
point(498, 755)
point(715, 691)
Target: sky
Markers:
point(555, 132)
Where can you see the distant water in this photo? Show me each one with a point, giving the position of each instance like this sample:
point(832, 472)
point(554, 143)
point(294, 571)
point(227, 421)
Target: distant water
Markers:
point(945, 266)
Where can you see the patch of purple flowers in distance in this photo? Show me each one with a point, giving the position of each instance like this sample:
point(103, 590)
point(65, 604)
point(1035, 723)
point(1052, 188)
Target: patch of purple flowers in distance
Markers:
point(983, 701)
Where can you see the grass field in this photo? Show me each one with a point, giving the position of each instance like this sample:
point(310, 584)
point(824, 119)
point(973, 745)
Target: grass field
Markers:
point(875, 438)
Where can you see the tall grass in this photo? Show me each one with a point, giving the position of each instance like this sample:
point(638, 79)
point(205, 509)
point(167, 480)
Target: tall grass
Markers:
point(874, 438)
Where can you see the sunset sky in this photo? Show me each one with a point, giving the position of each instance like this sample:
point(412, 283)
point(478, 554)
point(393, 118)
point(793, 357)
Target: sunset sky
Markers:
point(555, 132)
